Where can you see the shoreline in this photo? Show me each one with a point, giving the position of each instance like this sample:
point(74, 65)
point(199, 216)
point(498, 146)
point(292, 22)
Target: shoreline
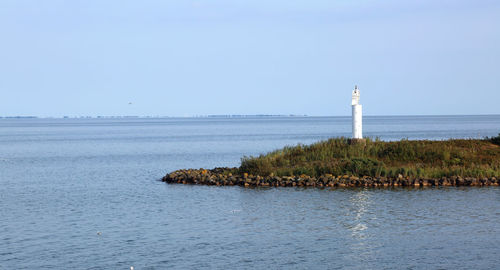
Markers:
point(225, 177)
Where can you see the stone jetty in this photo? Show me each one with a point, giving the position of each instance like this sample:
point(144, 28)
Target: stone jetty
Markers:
point(229, 177)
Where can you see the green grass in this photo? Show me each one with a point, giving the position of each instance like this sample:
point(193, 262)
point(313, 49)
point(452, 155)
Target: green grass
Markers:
point(423, 158)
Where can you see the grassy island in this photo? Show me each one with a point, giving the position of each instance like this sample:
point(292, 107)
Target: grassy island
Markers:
point(423, 158)
point(367, 162)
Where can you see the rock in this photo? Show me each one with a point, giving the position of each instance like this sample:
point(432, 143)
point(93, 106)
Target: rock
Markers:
point(416, 182)
point(221, 177)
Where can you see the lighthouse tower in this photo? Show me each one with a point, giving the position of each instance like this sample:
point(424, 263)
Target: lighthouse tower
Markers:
point(357, 115)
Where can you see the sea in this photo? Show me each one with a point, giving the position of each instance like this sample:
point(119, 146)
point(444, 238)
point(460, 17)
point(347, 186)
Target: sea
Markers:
point(86, 194)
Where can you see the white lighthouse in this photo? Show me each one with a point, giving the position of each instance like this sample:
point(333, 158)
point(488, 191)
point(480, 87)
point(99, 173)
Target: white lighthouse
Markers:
point(357, 115)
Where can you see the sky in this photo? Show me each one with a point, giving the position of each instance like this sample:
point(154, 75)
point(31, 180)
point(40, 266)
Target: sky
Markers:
point(186, 58)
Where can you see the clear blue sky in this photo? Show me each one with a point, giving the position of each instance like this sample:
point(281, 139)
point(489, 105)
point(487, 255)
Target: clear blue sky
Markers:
point(180, 58)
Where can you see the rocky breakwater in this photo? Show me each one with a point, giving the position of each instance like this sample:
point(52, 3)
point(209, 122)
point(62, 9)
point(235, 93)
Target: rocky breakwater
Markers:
point(229, 177)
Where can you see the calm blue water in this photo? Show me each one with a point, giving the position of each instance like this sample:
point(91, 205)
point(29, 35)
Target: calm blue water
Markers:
point(64, 180)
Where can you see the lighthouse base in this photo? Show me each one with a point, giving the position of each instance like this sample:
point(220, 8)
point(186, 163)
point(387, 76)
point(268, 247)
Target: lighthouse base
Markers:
point(357, 141)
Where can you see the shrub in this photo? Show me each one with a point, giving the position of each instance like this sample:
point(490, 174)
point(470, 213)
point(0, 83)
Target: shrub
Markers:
point(496, 140)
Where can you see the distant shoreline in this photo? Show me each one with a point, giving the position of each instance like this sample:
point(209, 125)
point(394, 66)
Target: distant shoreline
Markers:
point(229, 116)
point(148, 117)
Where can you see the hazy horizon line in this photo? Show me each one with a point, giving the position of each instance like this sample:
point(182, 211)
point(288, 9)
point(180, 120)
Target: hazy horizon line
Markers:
point(217, 116)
